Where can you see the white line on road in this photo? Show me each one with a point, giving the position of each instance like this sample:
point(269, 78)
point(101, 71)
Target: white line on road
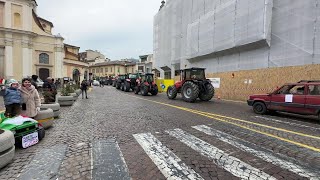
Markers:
point(285, 122)
point(231, 164)
point(170, 165)
point(267, 156)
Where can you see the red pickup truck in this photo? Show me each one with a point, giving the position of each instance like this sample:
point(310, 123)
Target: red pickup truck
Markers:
point(302, 97)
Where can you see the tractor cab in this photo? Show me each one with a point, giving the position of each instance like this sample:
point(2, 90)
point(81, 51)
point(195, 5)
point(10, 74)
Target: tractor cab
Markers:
point(148, 77)
point(193, 74)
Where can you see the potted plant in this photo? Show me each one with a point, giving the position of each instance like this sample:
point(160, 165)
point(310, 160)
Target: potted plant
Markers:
point(66, 98)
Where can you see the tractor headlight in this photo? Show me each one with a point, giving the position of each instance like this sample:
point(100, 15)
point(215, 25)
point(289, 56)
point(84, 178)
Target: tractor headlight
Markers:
point(13, 131)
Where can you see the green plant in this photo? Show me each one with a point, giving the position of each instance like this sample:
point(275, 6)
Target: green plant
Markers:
point(65, 91)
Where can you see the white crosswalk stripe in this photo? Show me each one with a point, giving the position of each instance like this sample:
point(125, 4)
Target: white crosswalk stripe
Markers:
point(231, 164)
point(168, 163)
point(266, 156)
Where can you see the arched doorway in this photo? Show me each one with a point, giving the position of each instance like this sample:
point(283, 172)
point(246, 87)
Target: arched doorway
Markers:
point(76, 75)
point(43, 73)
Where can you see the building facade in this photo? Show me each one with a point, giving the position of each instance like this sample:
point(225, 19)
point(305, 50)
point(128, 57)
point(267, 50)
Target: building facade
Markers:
point(73, 68)
point(251, 46)
point(112, 68)
point(93, 57)
point(27, 45)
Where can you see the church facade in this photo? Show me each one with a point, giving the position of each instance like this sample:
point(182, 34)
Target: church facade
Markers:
point(27, 45)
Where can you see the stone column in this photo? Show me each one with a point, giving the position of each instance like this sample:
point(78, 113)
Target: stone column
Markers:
point(7, 14)
point(59, 55)
point(27, 62)
point(8, 56)
point(27, 18)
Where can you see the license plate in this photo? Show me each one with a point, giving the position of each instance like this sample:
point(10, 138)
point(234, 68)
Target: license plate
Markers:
point(30, 139)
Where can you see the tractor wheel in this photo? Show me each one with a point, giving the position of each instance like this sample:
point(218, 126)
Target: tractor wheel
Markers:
point(155, 90)
point(136, 90)
point(208, 93)
point(144, 90)
point(122, 87)
point(172, 92)
point(190, 91)
point(126, 86)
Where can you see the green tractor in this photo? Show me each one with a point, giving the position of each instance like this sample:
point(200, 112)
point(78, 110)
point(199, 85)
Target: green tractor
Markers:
point(192, 85)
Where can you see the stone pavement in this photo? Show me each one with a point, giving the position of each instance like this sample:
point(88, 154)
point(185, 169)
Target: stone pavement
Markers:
point(117, 135)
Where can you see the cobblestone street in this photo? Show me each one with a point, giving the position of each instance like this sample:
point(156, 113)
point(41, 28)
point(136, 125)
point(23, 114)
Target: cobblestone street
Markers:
point(118, 135)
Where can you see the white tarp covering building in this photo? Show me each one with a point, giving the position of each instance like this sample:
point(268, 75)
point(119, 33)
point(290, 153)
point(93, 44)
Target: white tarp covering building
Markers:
point(233, 35)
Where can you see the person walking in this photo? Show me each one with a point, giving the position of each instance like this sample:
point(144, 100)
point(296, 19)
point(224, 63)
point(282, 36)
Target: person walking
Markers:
point(12, 98)
point(101, 83)
point(30, 99)
point(84, 88)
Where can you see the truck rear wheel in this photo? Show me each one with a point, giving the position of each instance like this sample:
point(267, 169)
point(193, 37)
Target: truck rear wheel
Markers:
point(208, 93)
point(172, 92)
point(190, 91)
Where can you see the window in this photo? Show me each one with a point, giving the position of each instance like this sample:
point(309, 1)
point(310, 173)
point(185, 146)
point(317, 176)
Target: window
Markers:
point(106, 69)
point(132, 70)
point(297, 90)
point(101, 70)
point(118, 69)
point(44, 58)
point(140, 68)
point(314, 90)
point(17, 20)
point(97, 70)
point(110, 69)
point(292, 89)
point(93, 71)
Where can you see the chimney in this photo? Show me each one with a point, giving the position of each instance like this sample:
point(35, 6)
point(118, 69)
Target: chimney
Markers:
point(162, 4)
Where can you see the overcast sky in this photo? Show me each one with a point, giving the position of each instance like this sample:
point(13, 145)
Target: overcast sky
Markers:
point(117, 28)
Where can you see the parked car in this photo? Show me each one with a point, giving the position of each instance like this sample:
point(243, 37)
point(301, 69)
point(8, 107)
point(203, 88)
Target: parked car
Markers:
point(302, 97)
point(39, 83)
point(96, 83)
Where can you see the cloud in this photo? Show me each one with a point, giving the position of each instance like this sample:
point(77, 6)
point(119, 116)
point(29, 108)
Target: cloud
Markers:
point(118, 28)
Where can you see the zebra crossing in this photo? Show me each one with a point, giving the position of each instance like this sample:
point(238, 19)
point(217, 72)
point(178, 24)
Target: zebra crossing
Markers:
point(172, 167)
point(108, 162)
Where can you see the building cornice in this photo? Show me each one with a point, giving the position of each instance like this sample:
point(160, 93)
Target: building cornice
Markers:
point(9, 30)
point(75, 63)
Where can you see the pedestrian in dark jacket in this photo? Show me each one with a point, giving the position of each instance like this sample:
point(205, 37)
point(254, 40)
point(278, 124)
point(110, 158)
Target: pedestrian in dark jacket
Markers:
point(34, 79)
point(84, 88)
point(12, 98)
point(49, 90)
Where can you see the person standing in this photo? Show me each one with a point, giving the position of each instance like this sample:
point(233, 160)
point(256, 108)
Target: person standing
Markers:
point(12, 98)
point(30, 99)
point(34, 79)
point(84, 88)
point(49, 90)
